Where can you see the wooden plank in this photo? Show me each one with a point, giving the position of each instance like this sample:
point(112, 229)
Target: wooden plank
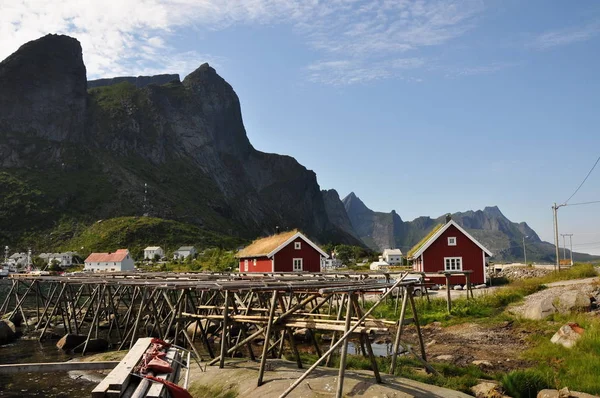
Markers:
point(55, 366)
point(117, 379)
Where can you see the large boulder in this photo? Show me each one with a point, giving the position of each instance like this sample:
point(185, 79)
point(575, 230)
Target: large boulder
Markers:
point(567, 335)
point(563, 393)
point(7, 331)
point(94, 345)
point(573, 301)
point(487, 389)
point(539, 310)
point(69, 341)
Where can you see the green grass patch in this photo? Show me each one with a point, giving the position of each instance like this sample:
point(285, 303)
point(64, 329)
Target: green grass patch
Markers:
point(577, 367)
point(198, 390)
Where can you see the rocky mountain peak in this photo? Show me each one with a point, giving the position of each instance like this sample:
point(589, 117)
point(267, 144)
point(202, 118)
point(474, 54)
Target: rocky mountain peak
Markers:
point(44, 89)
point(353, 204)
point(493, 211)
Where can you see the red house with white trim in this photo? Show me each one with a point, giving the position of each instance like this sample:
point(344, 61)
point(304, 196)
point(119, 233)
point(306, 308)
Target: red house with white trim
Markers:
point(285, 252)
point(448, 247)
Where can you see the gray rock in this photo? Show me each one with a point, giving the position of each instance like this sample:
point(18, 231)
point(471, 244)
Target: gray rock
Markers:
point(567, 335)
point(70, 341)
point(548, 393)
point(458, 287)
point(539, 310)
point(482, 363)
point(448, 358)
point(573, 301)
point(487, 389)
point(94, 345)
point(482, 286)
point(7, 331)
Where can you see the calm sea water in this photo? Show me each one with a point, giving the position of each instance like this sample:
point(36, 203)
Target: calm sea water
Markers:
point(52, 384)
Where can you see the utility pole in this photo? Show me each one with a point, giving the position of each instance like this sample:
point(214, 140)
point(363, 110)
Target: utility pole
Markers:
point(555, 211)
point(525, 251)
point(564, 246)
point(571, 240)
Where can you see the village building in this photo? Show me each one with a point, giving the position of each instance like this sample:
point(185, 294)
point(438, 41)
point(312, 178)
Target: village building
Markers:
point(448, 247)
point(284, 252)
point(379, 265)
point(118, 261)
point(184, 252)
point(62, 259)
point(392, 256)
point(151, 252)
point(18, 259)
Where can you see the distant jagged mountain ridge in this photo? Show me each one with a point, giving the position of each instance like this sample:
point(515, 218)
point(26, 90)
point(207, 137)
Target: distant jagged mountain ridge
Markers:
point(83, 151)
point(503, 237)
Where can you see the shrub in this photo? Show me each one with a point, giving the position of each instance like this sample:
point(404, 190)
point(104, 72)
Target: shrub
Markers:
point(525, 383)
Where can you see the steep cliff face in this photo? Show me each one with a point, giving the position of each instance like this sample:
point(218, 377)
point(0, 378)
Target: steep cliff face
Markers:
point(87, 154)
point(43, 92)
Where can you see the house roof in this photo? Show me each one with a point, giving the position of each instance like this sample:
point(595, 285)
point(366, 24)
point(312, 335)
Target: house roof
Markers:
point(425, 239)
point(117, 256)
point(435, 233)
point(186, 248)
point(272, 244)
point(392, 252)
point(152, 248)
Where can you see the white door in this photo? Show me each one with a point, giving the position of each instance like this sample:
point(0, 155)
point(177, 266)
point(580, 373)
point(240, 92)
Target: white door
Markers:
point(297, 264)
point(245, 265)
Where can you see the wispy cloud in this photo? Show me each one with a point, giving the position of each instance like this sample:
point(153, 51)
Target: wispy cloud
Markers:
point(563, 37)
point(478, 69)
point(354, 40)
point(355, 71)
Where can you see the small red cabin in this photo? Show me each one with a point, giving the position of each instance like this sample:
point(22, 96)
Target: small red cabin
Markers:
point(285, 252)
point(448, 247)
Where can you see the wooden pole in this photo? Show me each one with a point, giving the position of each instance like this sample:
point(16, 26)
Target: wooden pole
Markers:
point(344, 354)
point(224, 331)
point(263, 358)
point(398, 333)
point(448, 296)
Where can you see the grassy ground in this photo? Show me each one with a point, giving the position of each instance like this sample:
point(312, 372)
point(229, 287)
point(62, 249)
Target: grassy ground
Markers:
point(556, 367)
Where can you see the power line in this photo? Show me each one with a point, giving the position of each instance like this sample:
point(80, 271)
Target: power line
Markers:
point(584, 203)
point(583, 182)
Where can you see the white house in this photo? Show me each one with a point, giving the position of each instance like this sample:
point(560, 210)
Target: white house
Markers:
point(120, 260)
point(18, 259)
point(184, 252)
point(378, 265)
point(63, 259)
point(392, 256)
point(151, 251)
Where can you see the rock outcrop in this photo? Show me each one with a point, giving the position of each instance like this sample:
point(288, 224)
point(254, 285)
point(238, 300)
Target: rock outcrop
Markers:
point(65, 150)
point(7, 331)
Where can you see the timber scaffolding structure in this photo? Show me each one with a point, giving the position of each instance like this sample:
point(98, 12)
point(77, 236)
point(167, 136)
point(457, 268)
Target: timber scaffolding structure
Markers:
point(232, 312)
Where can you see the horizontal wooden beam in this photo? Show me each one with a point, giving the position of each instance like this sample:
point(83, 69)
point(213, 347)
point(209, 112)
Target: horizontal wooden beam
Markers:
point(55, 366)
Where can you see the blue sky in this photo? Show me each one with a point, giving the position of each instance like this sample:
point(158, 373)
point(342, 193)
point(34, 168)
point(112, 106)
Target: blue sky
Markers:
point(425, 107)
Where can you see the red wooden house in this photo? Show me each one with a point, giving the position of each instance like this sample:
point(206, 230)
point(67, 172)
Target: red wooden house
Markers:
point(448, 247)
point(285, 252)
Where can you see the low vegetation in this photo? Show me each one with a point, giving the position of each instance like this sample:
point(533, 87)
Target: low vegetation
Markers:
point(136, 233)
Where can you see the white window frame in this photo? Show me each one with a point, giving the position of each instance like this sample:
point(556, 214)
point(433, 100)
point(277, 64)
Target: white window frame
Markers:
point(246, 265)
point(297, 245)
point(458, 263)
point(452, 241)
point(297, 261)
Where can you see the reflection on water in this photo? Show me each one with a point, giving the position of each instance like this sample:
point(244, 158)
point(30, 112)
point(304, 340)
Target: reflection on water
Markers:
point(55, 384)
point(52, 384)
